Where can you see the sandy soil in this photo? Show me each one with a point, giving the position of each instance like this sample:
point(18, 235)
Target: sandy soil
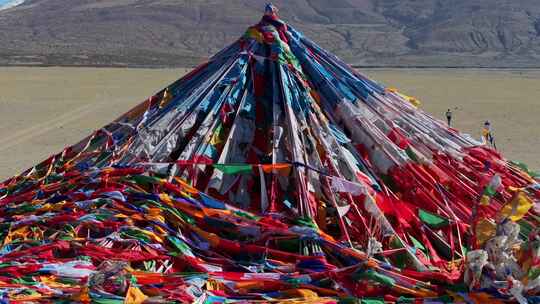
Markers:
point(44, 109)
point(509, 99)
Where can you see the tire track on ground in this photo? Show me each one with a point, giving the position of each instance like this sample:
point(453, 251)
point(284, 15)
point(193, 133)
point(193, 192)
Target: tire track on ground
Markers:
point(27, 134)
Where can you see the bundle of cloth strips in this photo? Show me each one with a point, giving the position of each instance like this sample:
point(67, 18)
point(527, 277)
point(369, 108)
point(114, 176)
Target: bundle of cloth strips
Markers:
point(272, 173)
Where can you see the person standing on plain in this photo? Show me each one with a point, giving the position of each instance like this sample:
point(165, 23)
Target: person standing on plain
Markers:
point(449, 117)
point(488, 135)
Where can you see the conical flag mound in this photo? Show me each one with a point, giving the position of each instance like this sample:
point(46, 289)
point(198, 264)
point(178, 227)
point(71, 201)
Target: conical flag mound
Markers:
point(272, 173)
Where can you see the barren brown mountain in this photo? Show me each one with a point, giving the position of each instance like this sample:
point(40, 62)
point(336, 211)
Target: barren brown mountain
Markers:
point(492, 33)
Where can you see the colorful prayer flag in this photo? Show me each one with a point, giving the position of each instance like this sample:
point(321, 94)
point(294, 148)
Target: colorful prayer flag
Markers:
point(518, 207)
point(491, 189)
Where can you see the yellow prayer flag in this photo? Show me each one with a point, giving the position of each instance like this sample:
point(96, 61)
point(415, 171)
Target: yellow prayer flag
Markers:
point(414, 101)
point(517, 208)
point(301, 293)
point(152, 235)
point(187, 187)
point(164, 197)
point(216, 140)
point(485, 230)
point(213, 285)
point(155, 214)
point(255, 34)
point(167, 97)
point(485, 200)
point(134, 296)
point(52, 282)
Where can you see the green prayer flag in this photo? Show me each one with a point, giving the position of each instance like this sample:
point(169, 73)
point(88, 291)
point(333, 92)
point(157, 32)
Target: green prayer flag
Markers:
point(107, 301)
point(349, 300)
point(372, 275)
point(371, 301)
point(181, 215)
point(306, 221)
point(525, 168)
point(493, 186)
point(432, 220)
point(25, 281)
point(417, 244)
point(490, 191)
point(405, 300)
point(411, 154)
point(145, 180)
point(533, 273)
point(246, 215)
point(233, 169)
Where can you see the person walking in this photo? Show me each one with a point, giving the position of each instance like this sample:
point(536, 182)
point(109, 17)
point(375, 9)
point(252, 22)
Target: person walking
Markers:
point(488, 135)
point(449, 117)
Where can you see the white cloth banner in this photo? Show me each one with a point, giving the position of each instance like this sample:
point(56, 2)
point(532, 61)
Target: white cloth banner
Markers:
point(342, 185)
point(343, 210)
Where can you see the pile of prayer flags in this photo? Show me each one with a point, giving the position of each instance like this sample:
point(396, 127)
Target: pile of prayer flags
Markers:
point(272, 173)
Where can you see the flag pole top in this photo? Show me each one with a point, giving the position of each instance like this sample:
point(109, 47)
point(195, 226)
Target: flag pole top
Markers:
point(270, 10)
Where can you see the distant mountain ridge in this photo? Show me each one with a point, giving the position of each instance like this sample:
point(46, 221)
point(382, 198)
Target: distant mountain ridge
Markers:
point(486, 33)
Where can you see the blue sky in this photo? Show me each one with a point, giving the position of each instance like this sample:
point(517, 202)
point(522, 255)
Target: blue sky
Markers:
point(2, 2)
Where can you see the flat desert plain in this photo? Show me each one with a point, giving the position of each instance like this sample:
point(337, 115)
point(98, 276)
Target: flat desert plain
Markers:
point(43, 110)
